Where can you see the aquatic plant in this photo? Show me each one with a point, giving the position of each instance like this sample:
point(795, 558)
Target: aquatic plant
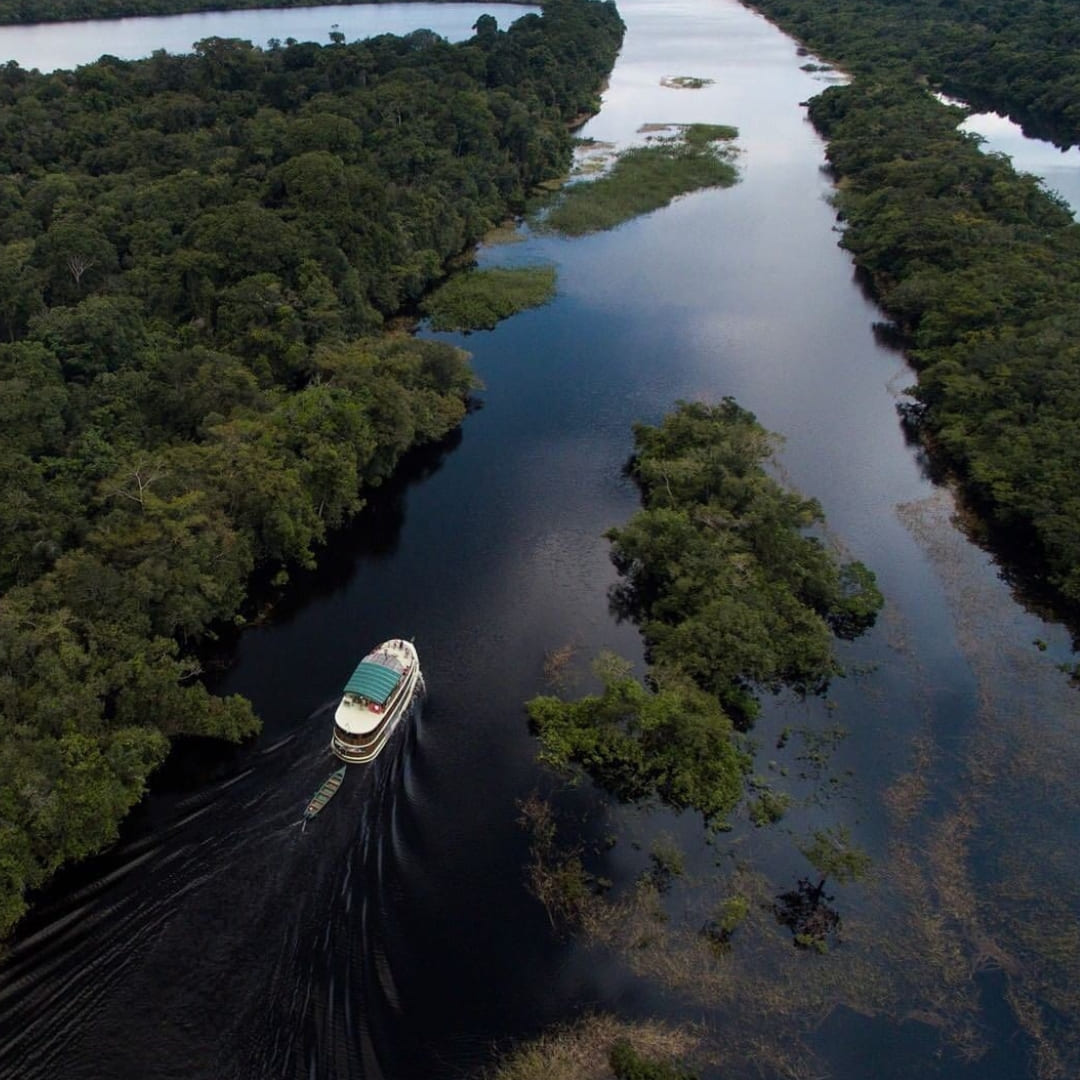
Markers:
point(478, 299)
point(646, 178)
point(585, 1049)
point(685, 82)
point(831, 852)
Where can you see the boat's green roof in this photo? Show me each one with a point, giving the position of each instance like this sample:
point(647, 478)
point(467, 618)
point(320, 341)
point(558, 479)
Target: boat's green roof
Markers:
point(372, 681)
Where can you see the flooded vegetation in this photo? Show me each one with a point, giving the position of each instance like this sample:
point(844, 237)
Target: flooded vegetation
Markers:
point(584, 1051)
point(685, 82)
point(972, 899)
point(645, 178)
point(479, 299)
point(734, 599)
point(895, 894)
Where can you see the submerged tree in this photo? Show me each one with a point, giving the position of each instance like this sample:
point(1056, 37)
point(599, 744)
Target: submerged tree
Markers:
point(808, 913)
point(674, 743)
point(733, 597)
point(719, 569)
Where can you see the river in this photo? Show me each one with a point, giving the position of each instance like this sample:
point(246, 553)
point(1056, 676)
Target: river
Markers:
point(48, 46)
point(394, 936)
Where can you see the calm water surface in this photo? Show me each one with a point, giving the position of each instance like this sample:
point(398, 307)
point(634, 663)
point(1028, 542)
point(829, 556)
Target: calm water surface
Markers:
point(48, 46)
point(394, 936)
point(1058, 169)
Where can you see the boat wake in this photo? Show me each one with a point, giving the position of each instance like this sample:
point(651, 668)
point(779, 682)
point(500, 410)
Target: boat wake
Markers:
point(254, 941)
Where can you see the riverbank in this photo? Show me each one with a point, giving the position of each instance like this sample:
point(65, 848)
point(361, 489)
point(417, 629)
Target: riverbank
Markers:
point(195, 382)
point(978, 267)
point(1016, 60)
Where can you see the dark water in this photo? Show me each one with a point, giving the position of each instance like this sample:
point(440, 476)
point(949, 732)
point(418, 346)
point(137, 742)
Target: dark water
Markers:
point(394, 936)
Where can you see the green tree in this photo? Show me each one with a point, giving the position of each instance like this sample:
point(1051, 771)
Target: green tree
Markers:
point(20, 287)
point(675, 744)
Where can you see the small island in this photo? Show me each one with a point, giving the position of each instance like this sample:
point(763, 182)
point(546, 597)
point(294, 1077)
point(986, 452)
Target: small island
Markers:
point(478, 299)
point(646, 178)
point(733, 596)
point(685, 82)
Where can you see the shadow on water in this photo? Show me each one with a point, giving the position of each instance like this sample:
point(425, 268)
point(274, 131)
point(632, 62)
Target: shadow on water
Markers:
point(372, 535)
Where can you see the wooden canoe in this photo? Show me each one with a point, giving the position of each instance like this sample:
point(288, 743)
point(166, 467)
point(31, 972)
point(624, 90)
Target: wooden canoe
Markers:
point(325, 793)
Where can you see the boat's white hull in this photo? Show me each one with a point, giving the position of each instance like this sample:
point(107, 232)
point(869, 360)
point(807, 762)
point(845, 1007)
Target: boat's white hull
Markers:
point(358, 747)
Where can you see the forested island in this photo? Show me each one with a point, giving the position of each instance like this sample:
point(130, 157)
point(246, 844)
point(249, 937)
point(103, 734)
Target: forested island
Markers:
point(198, 256)
point(735, 597)
point(977, 266)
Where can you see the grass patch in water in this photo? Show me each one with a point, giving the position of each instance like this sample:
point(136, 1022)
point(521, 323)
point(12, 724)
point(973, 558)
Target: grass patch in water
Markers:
point(478, 299)
point(685, 82)
point(646, 178)
point(584, 1051)
point(505, 232)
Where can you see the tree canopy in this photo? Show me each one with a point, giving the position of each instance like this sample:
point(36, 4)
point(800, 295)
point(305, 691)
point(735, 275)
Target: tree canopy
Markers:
point(1014, 58)
point(35, 11)
point(734, 597)
point(980, 269)
point(198, 255)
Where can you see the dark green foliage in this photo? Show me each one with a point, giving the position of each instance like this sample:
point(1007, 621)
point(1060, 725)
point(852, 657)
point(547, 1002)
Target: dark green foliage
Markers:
point(717, 567)
point(29, 11)
point(193, 252)
point(705, 136)
point(627, 1064)
point(675, 745)
point(732, 597)
point(1016, 58)
point(266, 198)
point(831, 853)
point(478, 299)
point(727, 917)
point(981, 271)
point(667, 863)
point(686, 82)
point(646, 178)
point(767, 807)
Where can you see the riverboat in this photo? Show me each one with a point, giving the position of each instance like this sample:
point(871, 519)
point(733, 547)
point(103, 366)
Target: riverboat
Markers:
point(378, 694)
point(326, 792)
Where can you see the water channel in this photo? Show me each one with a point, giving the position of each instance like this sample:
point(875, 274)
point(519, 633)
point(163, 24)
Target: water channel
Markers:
point(1059, 170)
point(395, 937)
point(48, 46)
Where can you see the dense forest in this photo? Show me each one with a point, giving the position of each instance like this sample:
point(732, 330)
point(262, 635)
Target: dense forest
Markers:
point(39, 11)
point(977, 266)
point(1012, 57)
point(981, 271)
point(197, 257)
